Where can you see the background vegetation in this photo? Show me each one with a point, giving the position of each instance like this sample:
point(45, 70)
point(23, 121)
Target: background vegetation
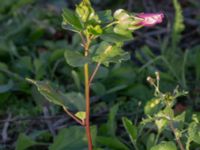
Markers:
point(32, 44)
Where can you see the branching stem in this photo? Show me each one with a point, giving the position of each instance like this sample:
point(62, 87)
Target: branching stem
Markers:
point(94, 72)
point(177, 138)
point(74, 117)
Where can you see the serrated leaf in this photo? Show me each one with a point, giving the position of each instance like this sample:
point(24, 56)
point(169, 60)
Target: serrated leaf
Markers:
point(107, 53)
point(165, 146)
point(130, 129)
point(76, 59)
point(70, 18)
point(72, 100)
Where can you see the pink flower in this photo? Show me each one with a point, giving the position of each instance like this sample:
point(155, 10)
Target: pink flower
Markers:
point(150, 19)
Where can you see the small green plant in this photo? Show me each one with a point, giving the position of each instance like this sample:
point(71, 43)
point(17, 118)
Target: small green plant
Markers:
point(162, 120)
point(103, 34)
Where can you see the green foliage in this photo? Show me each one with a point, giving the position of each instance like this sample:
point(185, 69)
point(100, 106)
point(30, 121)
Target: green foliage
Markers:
point(152, 106)
point(194, 132)
point(69, 17)
point(72, 100)
point(165, 146)
point(107, 53)
point(178, 25)
point(24, 142)
point(112, 142)
point(111, 124)
point(130, 129)
point(72, 138)
point(81, 115)
point(76, 59)
point(7, 87)
point(32, 45)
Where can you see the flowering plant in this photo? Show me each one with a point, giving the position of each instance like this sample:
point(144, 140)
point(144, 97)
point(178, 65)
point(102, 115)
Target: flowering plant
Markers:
point(103, 36)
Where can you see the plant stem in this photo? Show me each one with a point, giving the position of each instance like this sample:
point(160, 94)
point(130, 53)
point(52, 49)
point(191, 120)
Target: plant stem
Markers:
point(157, 137)
point(87, 97)
point(177, 138)
point(74, 117)
point(94, 72)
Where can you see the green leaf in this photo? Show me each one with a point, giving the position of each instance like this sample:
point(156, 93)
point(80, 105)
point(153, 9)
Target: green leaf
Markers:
point(122, 31)
point(93, 130)
point(6, 87)
point(130, 129)
point(76, 59)
point(178, 25)
point(180, 119)
point(72, 138)
point(194, 132)
point(161, 124)
point(70, 18)
point(72, 100)
point(112, 142)
point(23, 142)
point(150, 141)
point(86, 13)
point(81, 115)
point(98, 88)
point(114, 37)
point(126, 23)
point(3, 66)
point(165, 146)
point(116, 88)
point(111, 124)
point(168, 111)
point(107, 53)
point(121, 14)
point(95, 30)
point(76, 79)
point(152, 106)
point(105, 16)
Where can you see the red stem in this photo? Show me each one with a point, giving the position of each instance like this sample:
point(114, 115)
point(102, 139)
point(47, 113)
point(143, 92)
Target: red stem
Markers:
point(87, 98)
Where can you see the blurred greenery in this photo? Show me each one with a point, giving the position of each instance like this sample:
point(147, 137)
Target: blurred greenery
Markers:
point(32, 45)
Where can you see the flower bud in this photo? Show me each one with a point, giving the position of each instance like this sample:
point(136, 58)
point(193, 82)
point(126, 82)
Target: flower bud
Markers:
point(151, 80)
point(150, 19)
